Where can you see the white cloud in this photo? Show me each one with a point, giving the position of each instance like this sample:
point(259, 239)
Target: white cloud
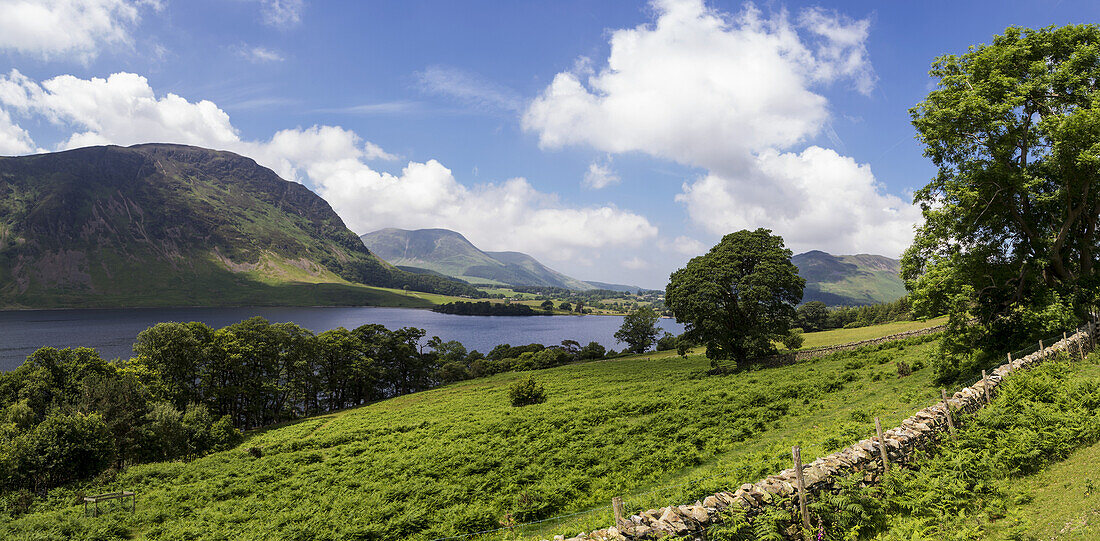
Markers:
point(687, 246)
point(635, 263)
point(13, 139)
point(600, 175)
point(259, 54)
point(737, 96)
point(124, 109)
point(829, 200)
point(76, 29)
point(282, 13)
point(469, 89)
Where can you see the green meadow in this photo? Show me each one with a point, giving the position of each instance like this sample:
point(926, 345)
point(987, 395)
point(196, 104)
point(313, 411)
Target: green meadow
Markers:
point(654, 429)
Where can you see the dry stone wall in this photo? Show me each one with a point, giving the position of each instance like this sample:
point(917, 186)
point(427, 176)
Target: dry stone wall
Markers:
point(922, 429)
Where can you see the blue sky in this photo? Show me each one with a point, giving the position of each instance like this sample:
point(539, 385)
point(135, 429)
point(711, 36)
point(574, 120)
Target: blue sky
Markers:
point(612, 140)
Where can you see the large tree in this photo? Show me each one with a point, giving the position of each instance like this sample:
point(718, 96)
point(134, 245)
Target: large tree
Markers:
point(639, 330)
point(739, 298)
point(1010, 233)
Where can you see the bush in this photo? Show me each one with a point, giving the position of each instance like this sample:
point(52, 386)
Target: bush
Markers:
point(903, 369)
point(527, 392)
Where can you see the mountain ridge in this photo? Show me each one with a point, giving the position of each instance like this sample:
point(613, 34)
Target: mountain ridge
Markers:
point(450, 253)
point(849, 280)
point(166, 225)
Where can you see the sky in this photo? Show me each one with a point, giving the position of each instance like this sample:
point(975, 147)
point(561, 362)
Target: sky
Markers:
point(613, 141)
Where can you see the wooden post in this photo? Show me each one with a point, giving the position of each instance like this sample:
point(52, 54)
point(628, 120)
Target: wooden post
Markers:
point(1010, 364)
point(985, 387)
point(1042, 354)
point(882, 446)
point(796, 452)
point(947, 408)
point(617, 505)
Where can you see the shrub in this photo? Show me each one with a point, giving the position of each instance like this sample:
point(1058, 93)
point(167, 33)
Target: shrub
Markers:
point(526, 392)
point(903, 369)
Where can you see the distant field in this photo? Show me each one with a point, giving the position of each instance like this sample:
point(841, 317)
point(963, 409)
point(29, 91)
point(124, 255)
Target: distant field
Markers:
point(843, 336)
point(459, 458)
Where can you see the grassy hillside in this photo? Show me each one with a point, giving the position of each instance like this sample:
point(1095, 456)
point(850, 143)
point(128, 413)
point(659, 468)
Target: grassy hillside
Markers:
point(459, 459)
point(156, 225)
point(849, 279)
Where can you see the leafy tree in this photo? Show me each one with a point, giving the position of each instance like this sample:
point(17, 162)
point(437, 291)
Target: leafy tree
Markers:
point(738, 298)
point(813, 316)
point(639, 330)
point(566, 306)
point(592, 351)
point(547, 305)
point(667, 342)
point(1011, 216)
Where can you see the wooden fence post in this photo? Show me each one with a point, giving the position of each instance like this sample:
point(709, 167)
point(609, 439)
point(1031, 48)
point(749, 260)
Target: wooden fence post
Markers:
point(796, 453)
point(985, 387)
point(617, 506)
point(1010, 363)
point(1042, 354)
point(947, 408)
point(882, 446)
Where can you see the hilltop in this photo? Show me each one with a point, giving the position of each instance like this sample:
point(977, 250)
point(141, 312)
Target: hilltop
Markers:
point(849, 279)
point(165, 224)
point(449, 253)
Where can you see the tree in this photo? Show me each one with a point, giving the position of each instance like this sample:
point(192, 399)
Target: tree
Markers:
point(738, 298)
point(1010, 220)
point(547, 305)
point(813, 316)
point(639, 330)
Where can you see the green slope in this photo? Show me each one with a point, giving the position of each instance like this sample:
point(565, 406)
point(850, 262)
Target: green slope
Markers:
point(162, 225)
point(849, 279)
point(457, 459)
point(449, 253)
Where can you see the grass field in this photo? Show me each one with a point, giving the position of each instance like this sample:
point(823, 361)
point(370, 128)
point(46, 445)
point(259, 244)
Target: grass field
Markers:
point(458, 459)
point(844, 336)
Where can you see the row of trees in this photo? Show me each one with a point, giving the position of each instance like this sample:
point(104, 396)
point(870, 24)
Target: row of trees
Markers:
point(68, 414)
point(816, 316)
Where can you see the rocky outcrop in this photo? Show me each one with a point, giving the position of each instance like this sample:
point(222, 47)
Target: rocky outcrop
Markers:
point(924, 428)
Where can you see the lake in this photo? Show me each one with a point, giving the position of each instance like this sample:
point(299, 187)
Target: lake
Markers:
point(112, 332)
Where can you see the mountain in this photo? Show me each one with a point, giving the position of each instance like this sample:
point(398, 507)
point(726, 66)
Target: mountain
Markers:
point(849, 279)
point(448, 252)
point(159, 224)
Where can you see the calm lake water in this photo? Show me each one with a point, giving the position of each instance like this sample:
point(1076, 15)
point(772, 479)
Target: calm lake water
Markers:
point(112, 332)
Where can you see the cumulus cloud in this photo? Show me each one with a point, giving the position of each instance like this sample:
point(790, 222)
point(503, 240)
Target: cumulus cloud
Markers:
point(829, 200)
point(600, 175)
point(737, 96)
point(77, 29)
point(13, 139)
point(124, 109)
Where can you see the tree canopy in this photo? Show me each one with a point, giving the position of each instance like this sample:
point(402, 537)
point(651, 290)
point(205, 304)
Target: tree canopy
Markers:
point(1011, 216)
point(639, 330)
point(738, 298)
